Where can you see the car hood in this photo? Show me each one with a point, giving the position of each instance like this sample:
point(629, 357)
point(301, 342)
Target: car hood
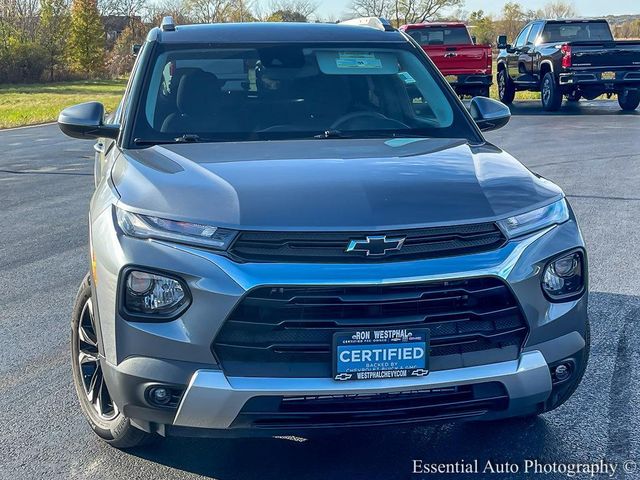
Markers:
point(331, 185)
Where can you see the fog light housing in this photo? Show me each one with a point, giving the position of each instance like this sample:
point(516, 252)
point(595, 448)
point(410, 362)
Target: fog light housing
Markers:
point(160, 395)
point(163, 396)
point(562, 372)
point(563, 277)
point(147, 295)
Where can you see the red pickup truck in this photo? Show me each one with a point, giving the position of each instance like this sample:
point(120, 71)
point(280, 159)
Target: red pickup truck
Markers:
point(464, 64)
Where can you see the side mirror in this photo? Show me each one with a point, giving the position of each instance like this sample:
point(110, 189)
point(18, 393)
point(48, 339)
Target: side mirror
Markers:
point(489, 114)
point(86, 121)
point(135, 49)
point(502, 42)
point(474, 40)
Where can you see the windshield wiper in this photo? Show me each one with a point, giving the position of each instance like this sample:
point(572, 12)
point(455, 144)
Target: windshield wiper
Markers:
point(332, 134)
point(328, 134)
point(185, 138)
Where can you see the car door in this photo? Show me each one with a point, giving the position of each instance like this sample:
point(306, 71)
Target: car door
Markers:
point(529, 54)
point(514, 53)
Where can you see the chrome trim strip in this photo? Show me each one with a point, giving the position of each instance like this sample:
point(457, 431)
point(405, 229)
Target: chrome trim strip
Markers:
point(213, 400)
point(497, 263)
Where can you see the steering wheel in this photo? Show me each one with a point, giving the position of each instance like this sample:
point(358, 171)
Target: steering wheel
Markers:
point(367, 114)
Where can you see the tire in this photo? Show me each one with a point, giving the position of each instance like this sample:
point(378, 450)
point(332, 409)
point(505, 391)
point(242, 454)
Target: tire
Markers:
point(506, 88)
point(551, 93)
point(629, 100)
point(101, 413)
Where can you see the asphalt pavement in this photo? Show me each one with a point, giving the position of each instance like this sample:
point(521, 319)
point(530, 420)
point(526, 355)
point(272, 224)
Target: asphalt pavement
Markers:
point(592, 150)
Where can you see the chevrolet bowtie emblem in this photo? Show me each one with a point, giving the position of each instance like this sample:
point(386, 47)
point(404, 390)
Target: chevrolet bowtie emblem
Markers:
point(376, 246)
point(343, 376)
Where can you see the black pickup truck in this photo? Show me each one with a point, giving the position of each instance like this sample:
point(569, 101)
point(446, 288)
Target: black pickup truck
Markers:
point(572, 58)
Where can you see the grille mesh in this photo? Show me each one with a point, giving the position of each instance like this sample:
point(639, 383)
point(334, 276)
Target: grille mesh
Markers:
point(288, 331)
point(331, 247)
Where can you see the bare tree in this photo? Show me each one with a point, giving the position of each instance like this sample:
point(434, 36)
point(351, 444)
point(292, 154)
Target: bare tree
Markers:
point(403, 11)
point(559, 9)
point(372, 8)
point(305, 8)
point(175, 8)
point(208, 11)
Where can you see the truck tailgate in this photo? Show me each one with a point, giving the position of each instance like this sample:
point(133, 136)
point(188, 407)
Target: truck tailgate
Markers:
point(610, 55)
point(459, 59)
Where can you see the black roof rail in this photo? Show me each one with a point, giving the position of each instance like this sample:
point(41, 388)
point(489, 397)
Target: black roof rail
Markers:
point(168, 24)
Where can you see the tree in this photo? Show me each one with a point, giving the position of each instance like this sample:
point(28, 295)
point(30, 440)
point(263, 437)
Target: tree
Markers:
point(403, 11)
point(286, 16)
point(54, 24)
point(514, 17)
point(372, 8)
point(559, 9)
point(175, 8)
point(86, 37)
point(484, 28)
point(241, 11)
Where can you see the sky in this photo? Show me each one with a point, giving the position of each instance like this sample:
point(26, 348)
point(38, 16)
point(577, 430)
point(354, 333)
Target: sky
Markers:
point(588, 8)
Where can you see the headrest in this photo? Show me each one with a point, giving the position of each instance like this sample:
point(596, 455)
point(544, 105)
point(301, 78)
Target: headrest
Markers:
point(198, 93)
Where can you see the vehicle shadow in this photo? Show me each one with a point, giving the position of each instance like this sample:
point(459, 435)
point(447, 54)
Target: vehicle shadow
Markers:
point(583, 107)
point(597, 423)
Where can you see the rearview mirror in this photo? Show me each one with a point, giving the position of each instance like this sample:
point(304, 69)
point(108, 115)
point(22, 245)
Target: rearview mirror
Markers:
point(502, 42)
point(85, 121)
point(489, 114)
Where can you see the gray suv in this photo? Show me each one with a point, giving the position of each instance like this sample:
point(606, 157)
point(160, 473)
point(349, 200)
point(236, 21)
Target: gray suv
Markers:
point(300, 226)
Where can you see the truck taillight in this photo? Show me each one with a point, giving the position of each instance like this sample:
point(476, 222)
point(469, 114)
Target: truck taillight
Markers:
point(489, 61)
point(566, 56)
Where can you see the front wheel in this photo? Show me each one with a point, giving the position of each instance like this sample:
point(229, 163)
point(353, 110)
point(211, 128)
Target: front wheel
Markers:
point(629, 100)
point(551, 93)
point(97, 405)
point(506, 88)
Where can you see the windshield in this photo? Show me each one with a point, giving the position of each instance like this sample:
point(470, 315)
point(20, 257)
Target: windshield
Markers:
point(576, 32)
point(200, 93)
point(440, 36)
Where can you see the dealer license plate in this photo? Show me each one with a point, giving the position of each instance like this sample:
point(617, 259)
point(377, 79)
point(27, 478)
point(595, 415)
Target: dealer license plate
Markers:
point(608, 75)
point(379, 354)
point(451, 78)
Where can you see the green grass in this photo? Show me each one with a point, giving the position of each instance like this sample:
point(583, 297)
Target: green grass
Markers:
point(40, 103)
point(525, 95)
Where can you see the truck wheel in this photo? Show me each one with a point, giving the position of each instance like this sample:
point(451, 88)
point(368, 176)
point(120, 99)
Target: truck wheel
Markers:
point(97, 406)
point(506, 88)
point(551, 94)
point(629, 100)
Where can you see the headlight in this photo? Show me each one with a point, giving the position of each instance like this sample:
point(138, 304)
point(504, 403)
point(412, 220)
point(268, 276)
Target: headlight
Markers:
point(553, 214)
point(153, 295)
point(564, 277)
point(146, 226)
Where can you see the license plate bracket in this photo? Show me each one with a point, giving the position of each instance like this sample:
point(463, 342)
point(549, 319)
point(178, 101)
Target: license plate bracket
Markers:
point(380, 354)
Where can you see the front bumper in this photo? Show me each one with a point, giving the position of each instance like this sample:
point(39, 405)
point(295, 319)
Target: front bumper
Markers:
point(215, 401)
point(178, 353)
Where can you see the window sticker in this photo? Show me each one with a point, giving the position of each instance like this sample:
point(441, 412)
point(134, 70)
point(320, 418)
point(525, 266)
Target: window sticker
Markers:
point(357, 60)
point(406, 78)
